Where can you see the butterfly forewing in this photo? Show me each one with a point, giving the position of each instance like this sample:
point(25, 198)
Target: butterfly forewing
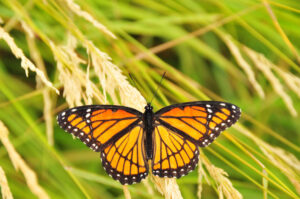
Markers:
point(98, 125)
point(125, 158)
point(201, 122)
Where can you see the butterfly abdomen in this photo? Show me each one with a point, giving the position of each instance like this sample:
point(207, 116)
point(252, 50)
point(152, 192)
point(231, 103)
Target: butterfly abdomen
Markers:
point(148, 127)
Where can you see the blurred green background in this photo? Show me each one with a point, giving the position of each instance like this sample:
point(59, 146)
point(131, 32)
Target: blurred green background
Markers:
point(204, 48)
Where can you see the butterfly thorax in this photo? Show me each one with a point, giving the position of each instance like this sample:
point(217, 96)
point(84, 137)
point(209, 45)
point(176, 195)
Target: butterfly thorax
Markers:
point(148, 122)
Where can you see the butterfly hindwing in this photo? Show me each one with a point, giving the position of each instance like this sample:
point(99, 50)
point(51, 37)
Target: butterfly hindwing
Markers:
point(125, 159)
point(200, 122)
point(98, 125)
point(174, 155)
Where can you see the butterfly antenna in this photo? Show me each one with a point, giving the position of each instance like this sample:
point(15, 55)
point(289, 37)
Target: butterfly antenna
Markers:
point(131, 77)
point(134, 82)
point(158, 86)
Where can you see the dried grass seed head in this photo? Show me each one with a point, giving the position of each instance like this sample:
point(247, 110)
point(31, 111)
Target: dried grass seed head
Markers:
point(5, 190)
point(265, 66)
point(20, 164)
point(26, 64)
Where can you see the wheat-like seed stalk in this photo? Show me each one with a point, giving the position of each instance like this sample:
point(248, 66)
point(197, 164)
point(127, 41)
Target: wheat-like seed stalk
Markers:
point(201, 175)
point(243, 64)
point(26, 64)
point(148, 186)
point(27, 29)
point(89, 89)
point(113, 81)
point(87, 16)
point(224, 185)
point(167, 186)
point(284, 161)
point(277, 156)
point(5, 190)
point(36, 57)
point(292, 81)
point(265, 66)
point(20, 164)
point(126, 192)
point(200, 178)
point(73, 78)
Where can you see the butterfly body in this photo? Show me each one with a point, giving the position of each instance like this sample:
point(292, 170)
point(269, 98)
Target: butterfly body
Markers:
point(148, 117)
point(170, 137)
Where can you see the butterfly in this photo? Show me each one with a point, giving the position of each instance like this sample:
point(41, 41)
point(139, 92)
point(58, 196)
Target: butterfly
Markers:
point(127, 139)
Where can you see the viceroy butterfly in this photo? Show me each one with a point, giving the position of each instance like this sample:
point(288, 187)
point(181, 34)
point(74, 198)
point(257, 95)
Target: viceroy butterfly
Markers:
point(127, 138)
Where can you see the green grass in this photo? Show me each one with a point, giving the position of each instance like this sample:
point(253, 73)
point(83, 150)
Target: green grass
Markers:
point(189, 40)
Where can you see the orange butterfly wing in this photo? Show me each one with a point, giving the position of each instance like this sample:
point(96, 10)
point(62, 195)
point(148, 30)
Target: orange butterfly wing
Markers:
point(181, 128)
point(174, 156)
point(116, 132)
point(98, 125)
point(125, 159)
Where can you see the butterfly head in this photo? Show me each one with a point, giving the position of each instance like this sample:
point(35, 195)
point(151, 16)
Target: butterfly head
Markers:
point(148, 107)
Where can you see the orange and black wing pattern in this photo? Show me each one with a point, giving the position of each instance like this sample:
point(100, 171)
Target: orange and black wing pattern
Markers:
point(125, 159)
point(98, 125)
point(201, 122)
point(174, 155)
point(114, 131)
point(181, 128)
